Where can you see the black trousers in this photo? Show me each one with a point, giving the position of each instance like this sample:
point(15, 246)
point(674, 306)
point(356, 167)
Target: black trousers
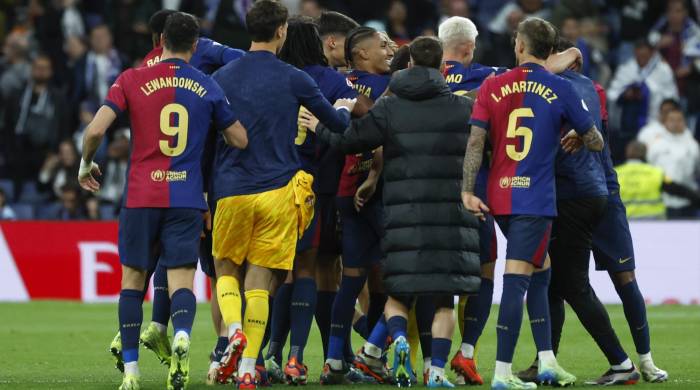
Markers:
point(570, 251)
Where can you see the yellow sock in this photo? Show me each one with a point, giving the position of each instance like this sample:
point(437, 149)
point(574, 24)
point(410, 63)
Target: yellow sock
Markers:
point(460, 313)
point(229, 294)
point(256, 312)
point(413, 339)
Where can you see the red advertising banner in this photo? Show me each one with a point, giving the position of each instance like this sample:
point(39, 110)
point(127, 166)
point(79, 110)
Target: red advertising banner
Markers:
point(64, 260)
point(80, 261)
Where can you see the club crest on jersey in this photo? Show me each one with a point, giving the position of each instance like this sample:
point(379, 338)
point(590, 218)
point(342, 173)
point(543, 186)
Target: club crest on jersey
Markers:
point(169, 176)
point(514, 182)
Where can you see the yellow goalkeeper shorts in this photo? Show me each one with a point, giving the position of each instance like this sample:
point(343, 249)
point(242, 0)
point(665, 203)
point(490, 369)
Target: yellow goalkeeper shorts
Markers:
point(263, 228)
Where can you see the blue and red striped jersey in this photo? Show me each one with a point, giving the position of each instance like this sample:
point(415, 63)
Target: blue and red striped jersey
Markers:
point(523, 111)
point(462, 79)
point(357, 166)
point(171, 106)
point(208, 56)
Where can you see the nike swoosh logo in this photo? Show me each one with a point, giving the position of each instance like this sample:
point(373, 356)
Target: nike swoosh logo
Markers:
point(623, 261)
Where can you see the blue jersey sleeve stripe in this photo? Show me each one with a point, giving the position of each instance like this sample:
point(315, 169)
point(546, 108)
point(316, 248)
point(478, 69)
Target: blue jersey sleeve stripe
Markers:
point(113, 106)
point(479, 123)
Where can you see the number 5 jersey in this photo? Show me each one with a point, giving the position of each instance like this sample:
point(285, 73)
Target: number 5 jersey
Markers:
point(171, 106)
point(523, 111)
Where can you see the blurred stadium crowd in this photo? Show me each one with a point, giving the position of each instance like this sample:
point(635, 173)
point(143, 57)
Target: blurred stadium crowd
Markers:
point(59, 58)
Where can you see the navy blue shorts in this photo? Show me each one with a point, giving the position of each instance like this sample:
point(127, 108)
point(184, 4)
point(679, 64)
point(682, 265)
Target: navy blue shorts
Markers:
point(329, 241)
point(488, 244)
point(612, 241)
point(148, 236)
point(206, 258)
point(310, 239)
point(528, 237)
point(361, 236)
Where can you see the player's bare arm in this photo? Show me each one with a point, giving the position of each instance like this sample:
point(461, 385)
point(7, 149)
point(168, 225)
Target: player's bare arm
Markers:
point(470, 169)
point(593, 140)
point(92, 139)
point(236, 135)
point(308, 119)
point(559, 62)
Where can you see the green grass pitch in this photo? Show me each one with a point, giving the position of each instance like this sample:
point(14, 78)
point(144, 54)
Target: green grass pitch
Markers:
point(60, 345)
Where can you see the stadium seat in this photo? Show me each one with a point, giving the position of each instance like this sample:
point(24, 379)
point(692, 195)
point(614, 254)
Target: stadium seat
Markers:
point(30, 193)
point(23, 210)
point(107, 212)
point(9, 187)
point(47, 210)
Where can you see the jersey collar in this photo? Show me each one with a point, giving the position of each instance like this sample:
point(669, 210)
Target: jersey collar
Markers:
point(532, 65)
point(174, 60)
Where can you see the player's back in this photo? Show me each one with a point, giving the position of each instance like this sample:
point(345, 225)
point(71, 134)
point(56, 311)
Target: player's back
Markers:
point(462, 79)
point(170, 107)
point(262, 88)
point(581, 174)
point(207, 57)
point(318, 158)
point(369, 84)
point(524, 110)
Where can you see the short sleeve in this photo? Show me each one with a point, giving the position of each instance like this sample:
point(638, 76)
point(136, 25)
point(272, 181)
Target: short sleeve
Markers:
point(575, 109)
point(224, 116)
point(116, 97)
point(480, 113)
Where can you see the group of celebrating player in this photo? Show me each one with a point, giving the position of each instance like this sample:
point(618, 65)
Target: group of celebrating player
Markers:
point(287, 207)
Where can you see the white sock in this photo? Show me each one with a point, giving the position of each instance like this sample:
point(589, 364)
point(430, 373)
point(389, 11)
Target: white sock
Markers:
point(161, 328)
point(335, 364)
point(372, 350)
point(426, 364)
point(626, 365)
point(247, 367)
point(546, 357)
point(233, 328)
point(645, 357)
point(181, 333)
point(503, 370)
point(132, 368)
point(437, 371)
point(467, 350)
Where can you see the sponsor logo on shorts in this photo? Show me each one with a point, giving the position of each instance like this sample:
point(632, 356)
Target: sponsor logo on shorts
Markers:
point(623, 261)
point(514, 182)
point(159, 175)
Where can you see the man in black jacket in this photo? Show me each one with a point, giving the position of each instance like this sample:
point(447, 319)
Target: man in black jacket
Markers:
point(431, 242)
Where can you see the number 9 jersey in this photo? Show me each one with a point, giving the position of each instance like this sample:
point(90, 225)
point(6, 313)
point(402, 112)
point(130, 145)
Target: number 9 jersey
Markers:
point(171, 106)
point(523, 111)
